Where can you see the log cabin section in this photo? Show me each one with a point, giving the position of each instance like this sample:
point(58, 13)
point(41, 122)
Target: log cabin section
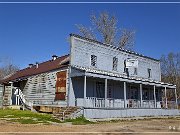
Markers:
point(44, 84)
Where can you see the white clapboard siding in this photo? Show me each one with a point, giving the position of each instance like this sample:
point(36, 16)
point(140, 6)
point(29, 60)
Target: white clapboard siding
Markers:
point(81, 51)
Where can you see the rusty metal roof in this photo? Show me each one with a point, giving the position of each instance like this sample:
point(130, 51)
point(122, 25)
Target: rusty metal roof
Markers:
point(43, 67)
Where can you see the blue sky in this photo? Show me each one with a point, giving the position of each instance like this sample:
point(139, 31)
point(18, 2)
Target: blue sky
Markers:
point(31, 33)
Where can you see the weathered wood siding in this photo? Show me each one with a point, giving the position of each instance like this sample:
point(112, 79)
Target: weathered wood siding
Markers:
point(41, 88)
point(7, 96)
point(61, 85)
point(1, 95)
point(81, 51)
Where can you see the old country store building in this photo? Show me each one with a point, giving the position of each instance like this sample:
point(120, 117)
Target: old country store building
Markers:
point(102, 80)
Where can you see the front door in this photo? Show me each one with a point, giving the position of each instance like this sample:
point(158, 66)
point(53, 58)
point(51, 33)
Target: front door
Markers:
point(145, 94)
point(13, 97)
point(133, 92)
point(100, 89)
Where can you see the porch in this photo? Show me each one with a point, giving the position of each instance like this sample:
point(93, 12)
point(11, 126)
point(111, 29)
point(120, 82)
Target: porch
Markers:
point(97, 92)
point(94, 102)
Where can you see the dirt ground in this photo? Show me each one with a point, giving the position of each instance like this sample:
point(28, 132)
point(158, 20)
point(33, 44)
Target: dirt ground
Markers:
point(150, 126)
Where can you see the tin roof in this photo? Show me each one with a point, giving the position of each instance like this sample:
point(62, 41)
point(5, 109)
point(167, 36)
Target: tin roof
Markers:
point(115, 74)
point(43, 67)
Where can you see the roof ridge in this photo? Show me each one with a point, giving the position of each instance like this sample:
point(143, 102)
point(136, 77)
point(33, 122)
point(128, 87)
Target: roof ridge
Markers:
point(43, 62)
point(47, 66)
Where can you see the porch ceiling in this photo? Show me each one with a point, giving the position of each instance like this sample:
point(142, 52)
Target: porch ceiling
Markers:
point(119, 77)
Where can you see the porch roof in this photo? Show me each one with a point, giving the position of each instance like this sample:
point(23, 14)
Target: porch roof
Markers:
point(119, 77)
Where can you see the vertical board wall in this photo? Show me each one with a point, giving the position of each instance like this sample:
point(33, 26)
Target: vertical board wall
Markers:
point(1, 95)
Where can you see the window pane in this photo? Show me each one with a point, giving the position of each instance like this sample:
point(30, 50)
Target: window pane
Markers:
point(135, 71)
point(93, 60)
point(149, 73)
point(115, 61)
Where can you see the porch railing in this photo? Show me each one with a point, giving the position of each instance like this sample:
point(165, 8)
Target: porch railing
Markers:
point(170, 105)
point(95, 102)
point(100, 102)
point(133, 103)
point(148, 104)
point(115, 103)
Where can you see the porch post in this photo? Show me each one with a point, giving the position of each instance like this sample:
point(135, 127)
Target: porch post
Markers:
point(154, 96)
point(176, 97)
point(16, 100)
point(84, 90)
point(10, 97)
point(105, 96)
point(17, 96)
point(141, 95)
point(165, 98)
point(125, 106)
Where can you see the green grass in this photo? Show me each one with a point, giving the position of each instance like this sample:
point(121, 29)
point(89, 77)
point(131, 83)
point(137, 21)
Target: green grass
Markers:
point(79, 121)
point(27, 117)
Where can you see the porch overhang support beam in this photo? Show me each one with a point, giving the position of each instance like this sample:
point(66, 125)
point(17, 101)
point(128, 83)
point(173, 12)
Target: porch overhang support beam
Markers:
point(105, 96)
point(11, 90)
point(141, 95)
point(125, 106)
point(165, 91)
point(176, 97)
point(155, 97)
point(85, 91)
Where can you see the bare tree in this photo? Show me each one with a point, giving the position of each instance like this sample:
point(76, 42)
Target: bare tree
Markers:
point(86, 32)
point(105, 26)
point(7, 68)
point(127, 39)
point(170, 67)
